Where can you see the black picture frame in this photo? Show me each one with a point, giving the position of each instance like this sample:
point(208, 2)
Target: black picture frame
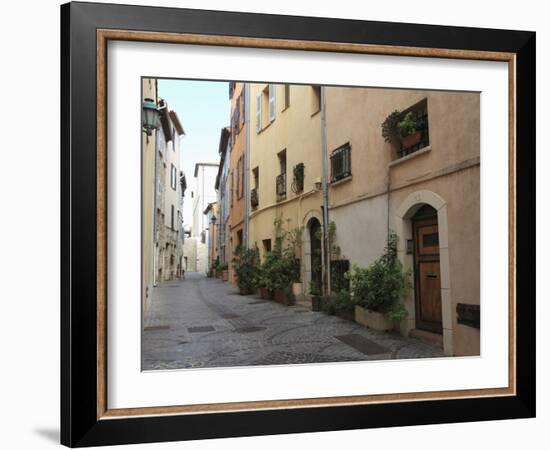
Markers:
point(80, 425)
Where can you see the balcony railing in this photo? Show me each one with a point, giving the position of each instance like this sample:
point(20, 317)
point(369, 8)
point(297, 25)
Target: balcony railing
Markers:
point(280, 185)
point(254, 200)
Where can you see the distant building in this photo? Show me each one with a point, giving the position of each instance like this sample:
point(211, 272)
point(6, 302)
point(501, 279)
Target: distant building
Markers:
point(222, 199)
point(203, 194)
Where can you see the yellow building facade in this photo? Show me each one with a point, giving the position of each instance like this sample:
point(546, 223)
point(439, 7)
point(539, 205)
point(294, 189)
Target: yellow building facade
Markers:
point(285, 140)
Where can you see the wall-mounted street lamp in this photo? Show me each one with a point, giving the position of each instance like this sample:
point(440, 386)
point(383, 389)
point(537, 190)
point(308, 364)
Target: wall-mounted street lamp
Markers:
point(318, 184)
point(150, 116)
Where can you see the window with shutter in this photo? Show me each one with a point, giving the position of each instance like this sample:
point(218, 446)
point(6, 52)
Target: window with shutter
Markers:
point(259, 112)
point(242, 175)
point(237, 175)
point(271, 102)
point(242, 108)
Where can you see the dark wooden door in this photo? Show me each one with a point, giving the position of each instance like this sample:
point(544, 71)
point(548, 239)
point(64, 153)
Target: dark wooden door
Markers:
point(427, 274)
point(316, 258)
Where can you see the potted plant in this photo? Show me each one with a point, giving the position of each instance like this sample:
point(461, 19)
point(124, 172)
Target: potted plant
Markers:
point(246, 263)
point(377, 290)
point(410, 136)
point(263, 277)
point(225, 272)
point(397, 128)
point(281, 273)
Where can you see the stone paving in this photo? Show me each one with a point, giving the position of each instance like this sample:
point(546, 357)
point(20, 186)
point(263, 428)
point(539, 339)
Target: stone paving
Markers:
point(204, 322)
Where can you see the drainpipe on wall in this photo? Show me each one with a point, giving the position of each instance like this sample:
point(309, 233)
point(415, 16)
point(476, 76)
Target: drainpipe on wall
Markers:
point(326, 252)
point(246, 180)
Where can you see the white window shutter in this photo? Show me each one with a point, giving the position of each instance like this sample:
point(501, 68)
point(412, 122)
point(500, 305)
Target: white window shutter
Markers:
point(259, 112)
point(271, 102)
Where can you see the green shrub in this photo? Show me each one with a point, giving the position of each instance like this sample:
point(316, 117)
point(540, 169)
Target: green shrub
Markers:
point(246, 264)
point(380, 286)
point(338, 303)
point(278, 271)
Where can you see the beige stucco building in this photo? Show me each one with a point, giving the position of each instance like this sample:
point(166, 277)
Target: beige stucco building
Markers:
point(429, 195)
point(285, 140)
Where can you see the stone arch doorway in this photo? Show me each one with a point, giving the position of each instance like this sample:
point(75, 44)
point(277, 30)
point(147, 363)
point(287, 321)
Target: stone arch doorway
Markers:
point(416, 207)
point(312, 250)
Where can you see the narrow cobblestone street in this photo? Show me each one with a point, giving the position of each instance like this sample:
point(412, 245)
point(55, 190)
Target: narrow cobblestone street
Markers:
point(204, 322)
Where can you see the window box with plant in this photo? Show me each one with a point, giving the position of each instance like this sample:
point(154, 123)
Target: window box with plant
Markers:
point(377, 290)
point(408, 130)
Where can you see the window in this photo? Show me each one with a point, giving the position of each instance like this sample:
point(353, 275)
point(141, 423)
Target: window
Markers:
point(231, 191)
point(242, 109)
point(316, 100)
point(254, 199)
point(242, 176)
point(173, 177)
point(420, 138)
point(259, 112)
point(340, 163)
point(237, 177)
point(172, 217)
point(287, 96)
point(239, 238)
point(256, 175)
point(271, 93)
point(280, 181)
point(267, 245)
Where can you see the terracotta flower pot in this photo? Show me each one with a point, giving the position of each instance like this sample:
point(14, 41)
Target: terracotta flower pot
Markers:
point(225, 275)
point(283, 298)
point(411, 140)
point(265, 293)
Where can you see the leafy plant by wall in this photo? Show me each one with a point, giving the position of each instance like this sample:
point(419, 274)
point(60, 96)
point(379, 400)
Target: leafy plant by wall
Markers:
point(381, 286)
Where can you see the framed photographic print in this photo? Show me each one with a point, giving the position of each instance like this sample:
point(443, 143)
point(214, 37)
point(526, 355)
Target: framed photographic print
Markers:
point(277, 224)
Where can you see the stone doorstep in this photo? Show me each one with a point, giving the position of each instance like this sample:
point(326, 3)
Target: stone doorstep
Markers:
point(427, 337)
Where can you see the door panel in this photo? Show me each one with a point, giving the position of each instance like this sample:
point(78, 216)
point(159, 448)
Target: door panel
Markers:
point(427, 275)
point(430, 291)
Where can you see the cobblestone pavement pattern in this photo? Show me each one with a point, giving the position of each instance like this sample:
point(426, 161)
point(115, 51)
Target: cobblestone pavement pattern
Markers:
point(204, 322)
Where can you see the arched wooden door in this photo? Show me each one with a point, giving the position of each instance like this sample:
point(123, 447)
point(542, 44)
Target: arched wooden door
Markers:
point(314, 227)
point(426, 270)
